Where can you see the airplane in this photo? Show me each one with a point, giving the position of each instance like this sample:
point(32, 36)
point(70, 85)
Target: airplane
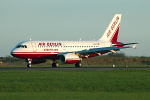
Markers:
point(71, 52)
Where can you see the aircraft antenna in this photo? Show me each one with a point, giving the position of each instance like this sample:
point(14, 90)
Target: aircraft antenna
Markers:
point(80, 39)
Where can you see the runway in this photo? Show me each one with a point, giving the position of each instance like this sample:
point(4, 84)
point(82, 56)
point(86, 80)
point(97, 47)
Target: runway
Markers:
point(71, 68)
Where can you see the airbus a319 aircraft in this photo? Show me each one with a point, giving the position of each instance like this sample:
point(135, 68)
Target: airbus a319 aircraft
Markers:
point(71, 52)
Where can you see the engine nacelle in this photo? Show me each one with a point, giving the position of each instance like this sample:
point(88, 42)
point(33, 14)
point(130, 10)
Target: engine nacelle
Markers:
point(69, 58)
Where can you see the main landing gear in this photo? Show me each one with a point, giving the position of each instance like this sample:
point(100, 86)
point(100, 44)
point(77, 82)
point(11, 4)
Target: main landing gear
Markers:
point(78, 64)
point(55, 64)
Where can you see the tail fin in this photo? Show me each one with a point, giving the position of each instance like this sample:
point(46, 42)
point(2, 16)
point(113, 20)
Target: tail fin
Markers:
point(111, 33)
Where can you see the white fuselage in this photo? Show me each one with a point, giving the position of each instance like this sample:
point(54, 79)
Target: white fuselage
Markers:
point(38, 49)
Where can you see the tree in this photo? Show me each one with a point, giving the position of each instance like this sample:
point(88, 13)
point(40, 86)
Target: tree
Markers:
point(121, 54)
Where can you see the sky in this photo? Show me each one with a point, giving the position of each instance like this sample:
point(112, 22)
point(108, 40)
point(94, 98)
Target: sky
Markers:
point(70, 20)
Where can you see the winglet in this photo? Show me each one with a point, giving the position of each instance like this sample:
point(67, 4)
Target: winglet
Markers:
point(134, 46)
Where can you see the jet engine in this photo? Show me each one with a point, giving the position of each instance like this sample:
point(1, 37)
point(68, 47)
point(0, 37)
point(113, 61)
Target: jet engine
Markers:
point(69, 58)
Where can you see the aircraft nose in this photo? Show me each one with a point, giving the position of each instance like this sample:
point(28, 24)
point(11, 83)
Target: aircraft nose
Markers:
point(13, 52)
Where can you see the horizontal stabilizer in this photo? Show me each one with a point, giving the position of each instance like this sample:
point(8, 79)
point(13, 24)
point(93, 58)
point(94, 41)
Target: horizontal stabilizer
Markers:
point(125, 44)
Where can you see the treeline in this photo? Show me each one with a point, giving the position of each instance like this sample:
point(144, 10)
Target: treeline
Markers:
point(119, 59)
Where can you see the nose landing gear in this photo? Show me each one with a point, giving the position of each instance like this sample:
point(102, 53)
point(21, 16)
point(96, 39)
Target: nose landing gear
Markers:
point(29, 61)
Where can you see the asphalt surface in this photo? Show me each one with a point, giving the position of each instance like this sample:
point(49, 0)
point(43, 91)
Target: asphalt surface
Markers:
point(71, 68)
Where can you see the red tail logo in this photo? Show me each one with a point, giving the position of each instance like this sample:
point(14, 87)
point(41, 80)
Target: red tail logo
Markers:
point(113, 26)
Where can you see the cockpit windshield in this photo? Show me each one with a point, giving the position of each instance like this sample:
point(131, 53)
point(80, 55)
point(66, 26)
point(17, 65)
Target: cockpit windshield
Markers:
point(21, 46)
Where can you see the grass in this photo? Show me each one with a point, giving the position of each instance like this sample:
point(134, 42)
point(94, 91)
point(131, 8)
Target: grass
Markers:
point(73, 96)
point(124, 84)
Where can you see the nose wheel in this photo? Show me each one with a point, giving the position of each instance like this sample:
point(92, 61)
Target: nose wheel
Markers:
point(29, 61)
point(28, 65)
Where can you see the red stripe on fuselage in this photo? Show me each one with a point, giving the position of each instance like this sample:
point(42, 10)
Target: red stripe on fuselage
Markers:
point(35, 55)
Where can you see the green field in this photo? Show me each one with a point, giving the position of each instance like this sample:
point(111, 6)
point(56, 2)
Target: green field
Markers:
point(118, 84)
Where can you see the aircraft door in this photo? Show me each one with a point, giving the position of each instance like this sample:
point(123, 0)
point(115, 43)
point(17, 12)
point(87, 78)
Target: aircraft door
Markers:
point(103, 44)
point(34, 46)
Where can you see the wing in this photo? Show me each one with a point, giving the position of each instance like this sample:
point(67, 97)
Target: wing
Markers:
point(99, 51)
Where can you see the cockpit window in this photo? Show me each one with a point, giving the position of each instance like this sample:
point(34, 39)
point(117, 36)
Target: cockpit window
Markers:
point(21, 46)
point(25, 46)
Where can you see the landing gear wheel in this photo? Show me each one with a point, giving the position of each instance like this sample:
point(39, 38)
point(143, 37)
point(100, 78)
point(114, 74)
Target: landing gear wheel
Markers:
point(78, 64)
point(28, 65)
point(55, 64)
point(28, 61)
